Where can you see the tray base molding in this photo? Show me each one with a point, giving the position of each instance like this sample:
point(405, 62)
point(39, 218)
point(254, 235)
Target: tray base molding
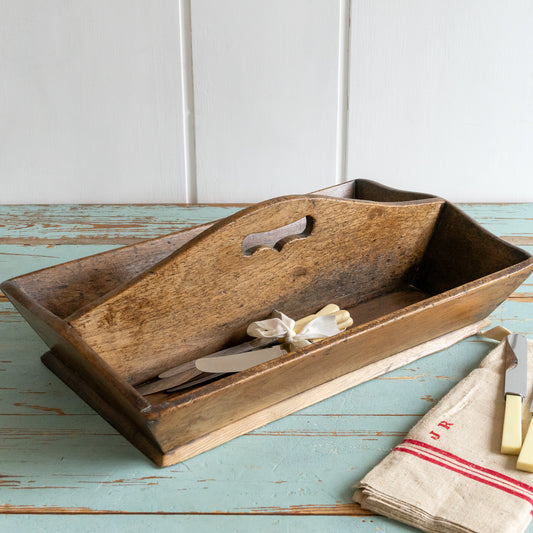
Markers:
point(261, 417)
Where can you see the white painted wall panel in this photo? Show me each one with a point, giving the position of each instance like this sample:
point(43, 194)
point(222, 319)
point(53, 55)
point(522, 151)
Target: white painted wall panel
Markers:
point(90, 101)
point(242, 100)
point(266, 84)
point(441, 97)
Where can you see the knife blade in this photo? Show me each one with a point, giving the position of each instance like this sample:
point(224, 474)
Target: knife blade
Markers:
point(228, 368)
point(188, 371)
point(515, 352)
point(236, 362)
point(228, 364)
point(241, 348)
point(232, 359)
point(214, 364)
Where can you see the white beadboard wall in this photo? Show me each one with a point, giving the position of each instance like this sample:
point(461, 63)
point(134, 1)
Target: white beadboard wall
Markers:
point(119, 101)
point(441, 97)
point(266, 80)
point(90, 101)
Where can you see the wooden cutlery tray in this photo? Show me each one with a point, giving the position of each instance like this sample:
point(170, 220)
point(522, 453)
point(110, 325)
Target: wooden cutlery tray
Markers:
point(409, 267)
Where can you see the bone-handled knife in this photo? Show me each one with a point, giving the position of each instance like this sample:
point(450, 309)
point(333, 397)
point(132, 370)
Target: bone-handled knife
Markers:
point(254, 344)
point(212, 367)
point(184, 373)
point(515, 351)
point(187, 371)
point(525, 459)
point(225, 363)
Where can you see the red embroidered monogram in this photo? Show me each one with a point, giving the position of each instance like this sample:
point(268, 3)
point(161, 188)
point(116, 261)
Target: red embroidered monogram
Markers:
point(444, 424)
point(466, 468)
point(441, 424)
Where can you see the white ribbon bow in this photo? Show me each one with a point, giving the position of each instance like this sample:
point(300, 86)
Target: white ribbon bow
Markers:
point(283, 328)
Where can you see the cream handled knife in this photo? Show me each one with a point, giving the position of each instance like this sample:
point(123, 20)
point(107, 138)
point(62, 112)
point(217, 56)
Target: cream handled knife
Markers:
point(515, 350)
point(235, 358)
point(235, 362)
point(525, 459)
point(212, 367)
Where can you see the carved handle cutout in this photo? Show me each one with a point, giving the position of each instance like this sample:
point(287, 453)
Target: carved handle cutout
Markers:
point(279, 237)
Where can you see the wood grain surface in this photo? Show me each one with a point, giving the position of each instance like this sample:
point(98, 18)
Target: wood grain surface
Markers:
point(64, 467)
point(350, 253)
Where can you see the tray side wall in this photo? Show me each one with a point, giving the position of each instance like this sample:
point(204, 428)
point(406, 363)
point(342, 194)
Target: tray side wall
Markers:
point(85, 370)
point(317, 394)
point(64, 288)
point(462, 251)
point(259, 418)
point(108, 409)
point(204, 296)
point(239, 395)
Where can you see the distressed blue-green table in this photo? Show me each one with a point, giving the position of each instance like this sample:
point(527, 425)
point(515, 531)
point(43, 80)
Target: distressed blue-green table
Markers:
point(63, 468)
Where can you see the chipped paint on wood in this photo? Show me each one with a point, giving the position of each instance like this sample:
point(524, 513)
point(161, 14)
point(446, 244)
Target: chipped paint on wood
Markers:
point(405, 378)
point(334, 433)
point(101, 224)
point(519, 240)
point(523, 297)
point(62, 462)
point(55, 410)
point(126, 224)
point(340, 509)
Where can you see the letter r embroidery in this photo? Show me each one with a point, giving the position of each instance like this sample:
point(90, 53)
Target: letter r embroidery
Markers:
point(445, 425)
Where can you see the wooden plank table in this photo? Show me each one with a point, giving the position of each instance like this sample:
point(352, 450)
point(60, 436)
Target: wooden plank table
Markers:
point(64, 468)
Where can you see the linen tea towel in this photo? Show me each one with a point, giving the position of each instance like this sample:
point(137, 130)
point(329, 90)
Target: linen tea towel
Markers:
point(448, 475)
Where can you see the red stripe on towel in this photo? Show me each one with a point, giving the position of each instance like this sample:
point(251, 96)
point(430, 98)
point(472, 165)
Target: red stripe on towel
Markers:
point(524, 486)
point(480, 475)
point(466, 474)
